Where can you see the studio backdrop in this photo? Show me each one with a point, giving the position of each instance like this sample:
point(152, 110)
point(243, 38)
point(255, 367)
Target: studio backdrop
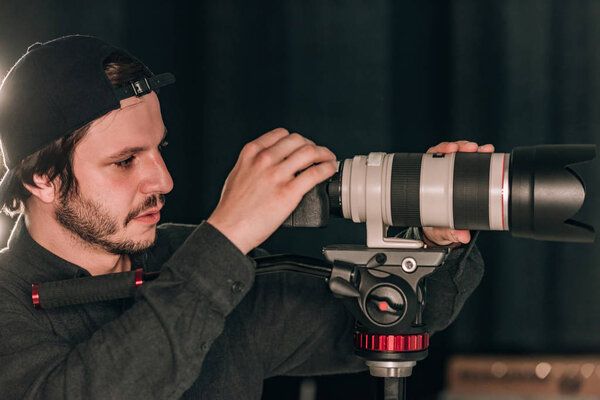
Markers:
point(361, 76)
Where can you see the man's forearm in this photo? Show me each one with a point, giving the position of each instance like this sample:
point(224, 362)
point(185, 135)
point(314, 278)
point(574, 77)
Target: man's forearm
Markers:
point(153, 350)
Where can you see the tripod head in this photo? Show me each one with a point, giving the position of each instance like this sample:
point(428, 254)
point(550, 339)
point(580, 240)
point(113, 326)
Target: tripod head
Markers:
point(385, 291)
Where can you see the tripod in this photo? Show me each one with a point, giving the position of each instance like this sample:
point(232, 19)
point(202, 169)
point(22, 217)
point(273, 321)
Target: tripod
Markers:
point(385, 292)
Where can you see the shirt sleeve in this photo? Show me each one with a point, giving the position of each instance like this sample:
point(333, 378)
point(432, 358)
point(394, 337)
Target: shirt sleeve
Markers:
point(154, 350)
point(449, 286)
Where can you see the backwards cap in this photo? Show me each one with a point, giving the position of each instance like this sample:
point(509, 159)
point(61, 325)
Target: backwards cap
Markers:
point(56, 88)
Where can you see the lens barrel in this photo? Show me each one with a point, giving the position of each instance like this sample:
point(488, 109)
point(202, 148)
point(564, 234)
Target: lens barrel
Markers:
point(532, 192)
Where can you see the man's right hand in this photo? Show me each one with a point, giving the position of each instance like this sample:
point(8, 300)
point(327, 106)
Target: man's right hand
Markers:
point(268, 181)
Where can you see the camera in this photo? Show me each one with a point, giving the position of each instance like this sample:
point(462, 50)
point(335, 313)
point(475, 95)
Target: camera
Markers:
point(532, 192)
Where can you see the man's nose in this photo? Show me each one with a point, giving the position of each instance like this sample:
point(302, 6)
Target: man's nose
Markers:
point(157, 178)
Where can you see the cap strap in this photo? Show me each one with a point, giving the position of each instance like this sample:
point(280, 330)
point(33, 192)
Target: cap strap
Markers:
point(144, 86)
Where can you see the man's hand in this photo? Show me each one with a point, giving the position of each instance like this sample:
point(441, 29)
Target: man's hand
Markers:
point(266, 185)
point(447, 236)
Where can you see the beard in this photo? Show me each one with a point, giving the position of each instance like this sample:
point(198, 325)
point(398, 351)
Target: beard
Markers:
point(95, 225)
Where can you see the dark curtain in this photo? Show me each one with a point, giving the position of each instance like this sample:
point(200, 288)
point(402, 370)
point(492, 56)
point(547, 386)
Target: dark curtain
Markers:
point(528, 73)
point(358, 76)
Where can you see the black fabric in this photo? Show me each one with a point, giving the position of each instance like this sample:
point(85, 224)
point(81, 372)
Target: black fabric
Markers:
point(54, 89)
point(203, 330)
point(151, 348)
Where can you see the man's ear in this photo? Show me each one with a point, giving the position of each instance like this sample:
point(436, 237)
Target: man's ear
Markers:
point(44, 189)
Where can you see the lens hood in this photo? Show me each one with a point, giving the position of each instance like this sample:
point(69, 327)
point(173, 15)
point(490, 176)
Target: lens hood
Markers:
point(545, 193)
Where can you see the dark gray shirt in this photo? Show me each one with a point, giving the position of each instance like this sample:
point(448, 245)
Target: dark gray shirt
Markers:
point(204, 329)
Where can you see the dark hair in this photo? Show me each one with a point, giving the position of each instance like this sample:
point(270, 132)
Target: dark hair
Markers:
point(55, 160)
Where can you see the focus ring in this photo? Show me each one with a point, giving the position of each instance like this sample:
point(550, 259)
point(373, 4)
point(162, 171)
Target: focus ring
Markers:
point(471, 192)
point(405, 188)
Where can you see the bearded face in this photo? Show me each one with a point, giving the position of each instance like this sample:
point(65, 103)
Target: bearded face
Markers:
point(95, 224)
point(120, 179)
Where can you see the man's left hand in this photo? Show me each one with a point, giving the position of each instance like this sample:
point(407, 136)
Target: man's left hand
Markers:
point(447, 236)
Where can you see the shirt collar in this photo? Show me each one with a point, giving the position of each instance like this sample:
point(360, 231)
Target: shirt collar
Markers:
point(41, 264)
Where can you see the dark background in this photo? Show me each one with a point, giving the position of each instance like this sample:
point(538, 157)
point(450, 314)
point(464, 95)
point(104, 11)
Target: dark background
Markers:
point(361, 76)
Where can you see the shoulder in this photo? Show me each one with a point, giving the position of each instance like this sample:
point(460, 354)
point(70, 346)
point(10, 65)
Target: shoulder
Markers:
point(15, 285)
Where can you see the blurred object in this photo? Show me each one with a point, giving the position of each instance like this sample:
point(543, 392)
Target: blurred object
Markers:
point(523, 377)
point(6, 225)
point(308, 389)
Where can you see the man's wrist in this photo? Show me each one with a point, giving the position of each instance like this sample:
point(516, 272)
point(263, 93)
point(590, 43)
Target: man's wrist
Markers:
point(237, 242)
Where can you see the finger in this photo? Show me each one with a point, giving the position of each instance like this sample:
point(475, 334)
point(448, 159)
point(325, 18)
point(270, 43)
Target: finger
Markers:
point(444, 147)
point(270, 138)
point(449, 235)
point(446, 236)
point(304, 157)
point(462, 236)
point(436, 235)
point(286, 146)
point(486, 148)
point(467, 147)
point(442, 236)
point(312, 176)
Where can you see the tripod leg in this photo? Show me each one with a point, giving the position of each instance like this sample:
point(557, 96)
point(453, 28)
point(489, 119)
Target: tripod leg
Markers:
point(394, 388)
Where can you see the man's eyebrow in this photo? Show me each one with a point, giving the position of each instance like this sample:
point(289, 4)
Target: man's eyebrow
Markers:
point(125, 153)
point(128, 151)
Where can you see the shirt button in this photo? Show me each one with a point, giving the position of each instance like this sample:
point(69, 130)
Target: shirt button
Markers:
point(204, 347)
point(237, 287)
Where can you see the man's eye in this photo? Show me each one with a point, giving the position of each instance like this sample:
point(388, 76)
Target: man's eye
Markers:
point(124, 163)
point(162, 145)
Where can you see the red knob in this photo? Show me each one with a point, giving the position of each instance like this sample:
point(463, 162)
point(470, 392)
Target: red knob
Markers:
point(374, 342)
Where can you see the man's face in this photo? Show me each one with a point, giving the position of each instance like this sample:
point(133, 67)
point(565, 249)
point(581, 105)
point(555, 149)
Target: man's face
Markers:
point(121, 179)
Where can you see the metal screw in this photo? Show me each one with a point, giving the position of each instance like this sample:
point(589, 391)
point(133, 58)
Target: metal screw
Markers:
point(409, 265)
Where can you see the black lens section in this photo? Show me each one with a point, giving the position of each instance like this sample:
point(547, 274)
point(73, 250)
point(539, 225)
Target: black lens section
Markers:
point(334, 193)
point(471, 191)
point(405, 188)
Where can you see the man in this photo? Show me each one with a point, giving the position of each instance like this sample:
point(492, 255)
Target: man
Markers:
point(81, 133)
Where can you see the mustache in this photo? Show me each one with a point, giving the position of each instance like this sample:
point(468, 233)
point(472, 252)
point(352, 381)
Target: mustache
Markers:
point(150, 202)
